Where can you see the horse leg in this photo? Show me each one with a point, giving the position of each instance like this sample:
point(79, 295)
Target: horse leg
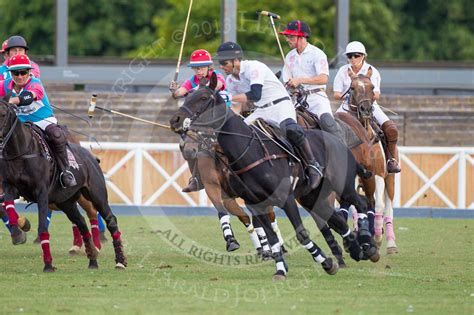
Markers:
point(98, 197)
point(73, 214)
point(379, 208)
point(231, 205)
point(272, 216)
point(336, 250)
point(391, 245)
point(261, 217)
point(263, 250)
point(291, 210)
point(103, 239)
point(17, 234)
point(4, 216)
point(43, 233)
point(364, 236)
point(93, 219)
point(76, 242)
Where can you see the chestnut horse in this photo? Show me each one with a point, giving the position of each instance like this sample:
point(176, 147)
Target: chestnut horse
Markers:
point(379, 189)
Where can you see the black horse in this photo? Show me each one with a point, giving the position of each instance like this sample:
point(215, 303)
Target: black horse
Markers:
point(266, 175)
point(29, 170)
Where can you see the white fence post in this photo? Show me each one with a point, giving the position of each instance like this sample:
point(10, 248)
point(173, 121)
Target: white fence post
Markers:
point(138, 177)
point(462, 181)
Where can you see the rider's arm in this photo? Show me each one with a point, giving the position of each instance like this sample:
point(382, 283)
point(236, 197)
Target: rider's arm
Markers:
point(337, 95)
point(254, 95)
point(320, 79)
point(25, 98)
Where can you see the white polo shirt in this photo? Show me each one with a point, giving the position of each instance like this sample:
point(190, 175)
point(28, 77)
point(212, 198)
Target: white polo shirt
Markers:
point(235, 86)
point(342, 81)
point(310, 63)
point(256, 72)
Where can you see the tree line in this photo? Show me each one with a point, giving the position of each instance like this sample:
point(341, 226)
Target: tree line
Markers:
point(391, 29)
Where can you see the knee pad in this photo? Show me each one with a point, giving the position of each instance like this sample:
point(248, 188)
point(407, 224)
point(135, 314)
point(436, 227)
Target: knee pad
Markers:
point(294, 133)
point(56, 135)
point(390, 130)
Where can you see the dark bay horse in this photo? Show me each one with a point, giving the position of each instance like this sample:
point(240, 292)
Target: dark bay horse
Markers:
point(265, 175)
point(29, 170)
point(379, 189)
point(215, 179)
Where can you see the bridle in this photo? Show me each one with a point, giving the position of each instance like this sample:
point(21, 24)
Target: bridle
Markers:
point(355, 104)
point(4, 138)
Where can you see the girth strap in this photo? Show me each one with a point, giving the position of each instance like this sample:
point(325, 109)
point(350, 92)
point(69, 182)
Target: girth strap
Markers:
point(258, 162)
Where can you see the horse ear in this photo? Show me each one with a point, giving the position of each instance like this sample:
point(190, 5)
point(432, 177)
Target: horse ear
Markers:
point(213, 81)
point(351, 73)
point(202, 82)
point(369, 72)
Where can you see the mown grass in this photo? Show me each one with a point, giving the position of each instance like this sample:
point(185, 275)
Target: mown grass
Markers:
point(432, 274)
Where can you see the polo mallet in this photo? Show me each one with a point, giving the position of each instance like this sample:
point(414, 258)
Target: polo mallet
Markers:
point(182, 41)
point(272, 16)
point(93, 107)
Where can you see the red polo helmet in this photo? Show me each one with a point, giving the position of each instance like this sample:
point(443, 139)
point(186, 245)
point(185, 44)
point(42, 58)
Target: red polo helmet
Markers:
point(200, 58)
point(19, 62)
point(297, 28)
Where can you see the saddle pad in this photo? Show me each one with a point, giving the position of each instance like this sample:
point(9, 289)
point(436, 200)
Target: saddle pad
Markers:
point(352, 140)
point(38, 134)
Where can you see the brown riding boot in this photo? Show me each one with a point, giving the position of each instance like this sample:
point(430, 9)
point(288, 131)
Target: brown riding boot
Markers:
point(313, 169)
point(390, 131)
point(195, 183)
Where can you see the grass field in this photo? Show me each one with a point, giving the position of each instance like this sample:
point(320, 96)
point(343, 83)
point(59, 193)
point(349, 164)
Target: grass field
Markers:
point(177, 266)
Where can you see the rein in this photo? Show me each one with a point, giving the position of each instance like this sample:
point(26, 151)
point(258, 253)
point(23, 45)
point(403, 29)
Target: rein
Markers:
point(4, 139)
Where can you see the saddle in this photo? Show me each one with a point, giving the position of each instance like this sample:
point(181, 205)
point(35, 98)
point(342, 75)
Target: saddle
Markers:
point(310, 121)
point(274, 132)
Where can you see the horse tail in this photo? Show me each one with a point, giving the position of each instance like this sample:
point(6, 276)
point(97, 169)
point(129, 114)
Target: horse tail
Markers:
point(363, 172)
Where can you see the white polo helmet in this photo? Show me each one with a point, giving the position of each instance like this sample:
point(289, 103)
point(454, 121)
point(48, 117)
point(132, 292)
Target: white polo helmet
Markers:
point(355, 47)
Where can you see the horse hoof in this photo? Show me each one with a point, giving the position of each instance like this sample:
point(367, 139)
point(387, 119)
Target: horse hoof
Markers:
point(378, 240)
point(284, 251)
point(37, 240)
point(279, 276)
point(93, 264)
point(18, 236)
point(120, 266)
point(49, 268)
point(330, 266)
point(375, 257)
point(392, 250)
point(232, 245)
point(24, 224)
point(75, 251)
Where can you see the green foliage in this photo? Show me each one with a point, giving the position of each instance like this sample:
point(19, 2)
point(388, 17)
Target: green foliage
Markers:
point(390, 29)
point(96, 28)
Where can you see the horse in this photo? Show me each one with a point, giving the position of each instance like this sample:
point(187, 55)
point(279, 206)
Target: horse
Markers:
point(215, 179)
point(29, 170)
point(24, 224)
point(380, 189)
point(265, 175)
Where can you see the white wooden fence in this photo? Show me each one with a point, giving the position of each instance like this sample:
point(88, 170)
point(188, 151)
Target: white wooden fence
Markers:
point(140, 152)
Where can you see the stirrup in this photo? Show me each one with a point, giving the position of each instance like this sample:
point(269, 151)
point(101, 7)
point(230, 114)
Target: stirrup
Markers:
point(66, 183)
